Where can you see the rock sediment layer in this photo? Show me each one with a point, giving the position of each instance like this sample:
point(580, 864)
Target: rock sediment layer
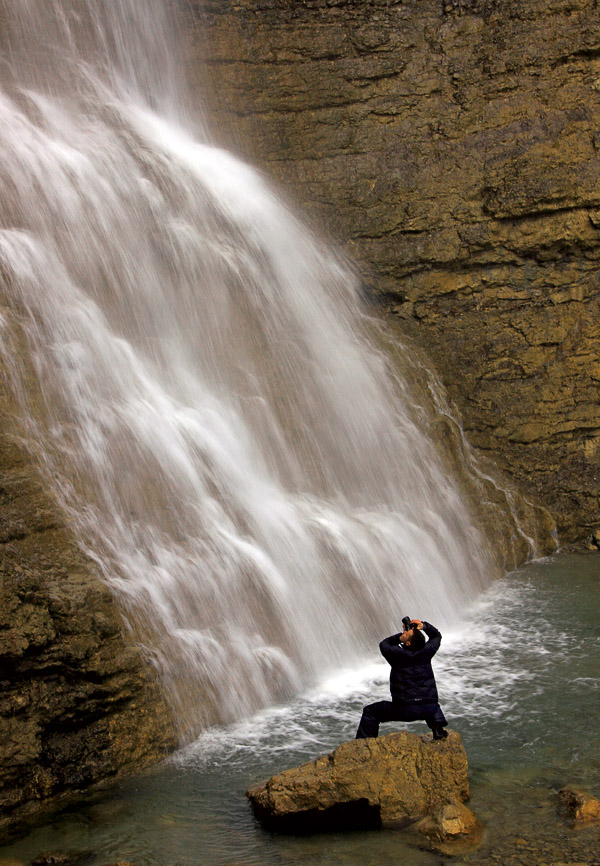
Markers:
point(453, 147)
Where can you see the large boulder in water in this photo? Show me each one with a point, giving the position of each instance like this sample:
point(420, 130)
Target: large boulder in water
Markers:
point(390, 781)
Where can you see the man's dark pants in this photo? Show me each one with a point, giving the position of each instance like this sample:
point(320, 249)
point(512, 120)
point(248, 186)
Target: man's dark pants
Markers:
point(396, 711)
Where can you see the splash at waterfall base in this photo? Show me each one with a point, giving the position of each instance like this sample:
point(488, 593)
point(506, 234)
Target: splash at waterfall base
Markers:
point(187, 368)
point(195, 801)
point(392, 781)
point(189, 371)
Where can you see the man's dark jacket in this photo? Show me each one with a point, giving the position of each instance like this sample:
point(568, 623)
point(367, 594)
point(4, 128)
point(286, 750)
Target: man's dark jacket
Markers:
point(411, 678)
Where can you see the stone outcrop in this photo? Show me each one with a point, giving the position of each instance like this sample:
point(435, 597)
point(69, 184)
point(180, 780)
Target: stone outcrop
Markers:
point(579, 807)
point(451, 829)
point(448, 823)
point(452, 146)
point(78, 704)
point(390, 781)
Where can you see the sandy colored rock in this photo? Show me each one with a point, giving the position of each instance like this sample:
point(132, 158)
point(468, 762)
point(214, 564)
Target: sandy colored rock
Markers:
point(390, 781)
point(578, 806)
point(451, 829)
point(449, 822)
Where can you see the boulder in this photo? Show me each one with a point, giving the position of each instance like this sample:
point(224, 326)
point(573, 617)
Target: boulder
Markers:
point(449, 822)
point(390, 781)
point(578, 806)
point(451, 829)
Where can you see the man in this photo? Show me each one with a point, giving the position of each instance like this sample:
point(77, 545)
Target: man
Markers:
point(412, 683)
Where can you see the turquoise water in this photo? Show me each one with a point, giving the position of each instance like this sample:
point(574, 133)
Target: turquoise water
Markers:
point(520, 682)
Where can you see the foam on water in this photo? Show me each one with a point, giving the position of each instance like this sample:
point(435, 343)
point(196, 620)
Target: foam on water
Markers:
point(525, 735)
point(486, 673)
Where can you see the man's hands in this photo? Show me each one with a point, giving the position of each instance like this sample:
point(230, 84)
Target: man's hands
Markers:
point(409, 626)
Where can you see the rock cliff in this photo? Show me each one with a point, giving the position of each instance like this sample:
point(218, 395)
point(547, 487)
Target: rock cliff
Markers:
point(452, 147)
point(78, 703)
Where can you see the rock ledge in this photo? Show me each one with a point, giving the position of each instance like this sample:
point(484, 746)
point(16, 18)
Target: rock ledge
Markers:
point(390, 781)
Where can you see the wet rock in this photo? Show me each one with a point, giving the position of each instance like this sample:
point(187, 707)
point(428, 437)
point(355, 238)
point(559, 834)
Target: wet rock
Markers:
point(579, 807)
point(449, 822)
point(390, 781)
point(78, 705)
point(594, 540)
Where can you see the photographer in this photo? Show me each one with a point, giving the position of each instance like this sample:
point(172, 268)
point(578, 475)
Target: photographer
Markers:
point(412, 683)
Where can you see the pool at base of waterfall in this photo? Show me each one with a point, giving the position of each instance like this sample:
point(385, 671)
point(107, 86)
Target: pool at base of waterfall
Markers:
point(519, 679)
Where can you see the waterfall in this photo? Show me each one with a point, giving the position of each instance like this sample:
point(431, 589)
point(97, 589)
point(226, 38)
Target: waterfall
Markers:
point(251, 480)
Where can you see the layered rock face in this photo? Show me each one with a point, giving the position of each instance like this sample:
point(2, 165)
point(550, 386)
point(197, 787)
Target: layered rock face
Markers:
point(453, 147)
point(78, 704)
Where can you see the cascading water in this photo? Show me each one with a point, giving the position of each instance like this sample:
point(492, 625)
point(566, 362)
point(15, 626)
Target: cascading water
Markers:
point(238, 461)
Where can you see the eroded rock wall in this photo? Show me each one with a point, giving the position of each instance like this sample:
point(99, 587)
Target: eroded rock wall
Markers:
point(453, 148)
point(78, 705)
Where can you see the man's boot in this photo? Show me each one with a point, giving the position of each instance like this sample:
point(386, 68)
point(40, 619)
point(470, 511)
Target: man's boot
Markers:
point(439, 732)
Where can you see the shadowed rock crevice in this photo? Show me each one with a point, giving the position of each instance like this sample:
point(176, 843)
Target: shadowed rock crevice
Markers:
point(356, 815)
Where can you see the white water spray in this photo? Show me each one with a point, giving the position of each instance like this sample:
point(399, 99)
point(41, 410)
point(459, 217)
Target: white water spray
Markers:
point(228, 448)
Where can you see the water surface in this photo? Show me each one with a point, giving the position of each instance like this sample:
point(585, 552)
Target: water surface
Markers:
point(520, 682)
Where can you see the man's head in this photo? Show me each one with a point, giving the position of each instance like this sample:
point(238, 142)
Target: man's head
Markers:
point(413, 639)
